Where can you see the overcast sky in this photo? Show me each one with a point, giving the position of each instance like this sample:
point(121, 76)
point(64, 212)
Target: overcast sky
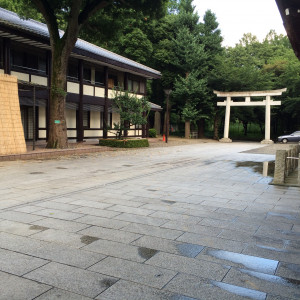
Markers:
point(237, 17)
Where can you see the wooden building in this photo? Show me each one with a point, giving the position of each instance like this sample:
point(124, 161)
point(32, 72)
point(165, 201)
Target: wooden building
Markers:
point(92, 74)
point(290, 14)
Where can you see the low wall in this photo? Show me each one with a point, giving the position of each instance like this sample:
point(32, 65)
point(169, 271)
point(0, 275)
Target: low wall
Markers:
point(12, 139)
point(286, 162)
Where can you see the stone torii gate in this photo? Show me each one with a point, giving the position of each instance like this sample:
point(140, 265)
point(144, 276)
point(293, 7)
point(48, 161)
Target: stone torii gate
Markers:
point(268, 102)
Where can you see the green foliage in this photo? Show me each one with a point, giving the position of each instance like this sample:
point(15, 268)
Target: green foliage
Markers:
point(152, 133)
point(138, 143)
point(131, 110)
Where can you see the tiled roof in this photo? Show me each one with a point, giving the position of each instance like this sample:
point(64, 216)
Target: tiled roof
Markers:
point(36, 28)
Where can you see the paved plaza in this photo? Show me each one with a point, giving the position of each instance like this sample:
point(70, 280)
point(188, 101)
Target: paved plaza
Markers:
point(196, 221)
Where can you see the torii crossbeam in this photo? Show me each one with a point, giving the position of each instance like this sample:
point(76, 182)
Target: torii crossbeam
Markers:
point(268, 102)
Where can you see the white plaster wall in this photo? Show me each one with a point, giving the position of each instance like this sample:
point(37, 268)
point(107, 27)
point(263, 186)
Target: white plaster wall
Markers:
point(1, 71)
point(88, 90)
point(131, 132)
point(111, 94)
point(21, 76)
point(71, 133)
point(99, 92)
point(42, 117)
point(42, 134)
point(73, 87)
point(93, 133)
point(39, 80)
point(115, 118)
point(95, 119)
point(71, 118)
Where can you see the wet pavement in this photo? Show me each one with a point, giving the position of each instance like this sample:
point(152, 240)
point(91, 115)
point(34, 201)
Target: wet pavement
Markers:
point(196, 221)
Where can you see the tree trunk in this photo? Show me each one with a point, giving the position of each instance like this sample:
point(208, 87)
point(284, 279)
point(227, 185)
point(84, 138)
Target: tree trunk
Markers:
point(187, 129)
point(216, 127)
point(201, 126)
point(57, 126)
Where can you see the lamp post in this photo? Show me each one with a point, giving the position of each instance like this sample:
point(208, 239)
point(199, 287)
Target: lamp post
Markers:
point(167, 93)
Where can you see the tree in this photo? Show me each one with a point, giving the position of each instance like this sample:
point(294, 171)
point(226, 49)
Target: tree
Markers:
point(74, 14)
point(132, 110)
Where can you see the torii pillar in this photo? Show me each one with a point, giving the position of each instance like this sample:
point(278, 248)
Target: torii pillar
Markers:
point(268, 102)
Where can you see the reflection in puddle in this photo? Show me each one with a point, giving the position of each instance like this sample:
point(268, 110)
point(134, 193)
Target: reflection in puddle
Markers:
point(189, 250)
point(251, 262)
point(237, 290)
point(293, 283)
point(146, 252)
point(265, 168)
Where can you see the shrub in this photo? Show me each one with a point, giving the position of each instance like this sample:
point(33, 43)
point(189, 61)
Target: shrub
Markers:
point(152, 132)
point(139, 143)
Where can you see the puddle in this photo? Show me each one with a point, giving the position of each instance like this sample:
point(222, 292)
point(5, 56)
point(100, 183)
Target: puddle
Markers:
point(168, 201)
point(146, 252)
point(189, 250)
point(237, 290)
point(286, 216)
point(250, 262)
point(265, 168)
point(293, 283)
point(37, 173)
point(86, 239)
point(180, 297)
point(127, 165)
point(37, 227)
point(151, 190)
point(108, 282)
point(61, 168)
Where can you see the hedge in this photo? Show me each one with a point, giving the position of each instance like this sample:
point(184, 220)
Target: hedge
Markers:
point(138, 143)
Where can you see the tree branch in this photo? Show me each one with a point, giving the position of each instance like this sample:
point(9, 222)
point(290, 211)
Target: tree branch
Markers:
point(91, 8)
point(48, 13)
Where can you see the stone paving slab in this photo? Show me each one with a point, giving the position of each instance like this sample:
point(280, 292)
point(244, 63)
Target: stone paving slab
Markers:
point(110, 234)
point(101, 222)
point(49, 251)
point(18, 288)
point(188, 265)
point(153, 231)
point(133, 271)
point(119, 250)
point(68, 226)
point(126, 290)
point(17, 263)
point(202, 288)
point(264, 282)
point(72, 279)
point(211, 241)
point(174, 247)
point(20, 228)
point(58, 294)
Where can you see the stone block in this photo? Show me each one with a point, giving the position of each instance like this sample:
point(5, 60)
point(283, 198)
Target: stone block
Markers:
point(133, 271)
point(72, 279)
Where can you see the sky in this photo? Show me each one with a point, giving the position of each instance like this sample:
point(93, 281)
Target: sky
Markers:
point(236, 17)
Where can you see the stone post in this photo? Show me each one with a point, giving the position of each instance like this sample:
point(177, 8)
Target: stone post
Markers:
point(267, 139)
point(187, 129)
point(279, 173)
point(226, 138)
point(157, 122)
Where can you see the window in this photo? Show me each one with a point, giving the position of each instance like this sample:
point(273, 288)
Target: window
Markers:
point(142, 87)
point(72, 71)
point(109, 123)
point(129, 85)
point(135, 86)
point(99, 76)
point(87, 74)
point(86, 119)
point(112, 81)
point(27, 59)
